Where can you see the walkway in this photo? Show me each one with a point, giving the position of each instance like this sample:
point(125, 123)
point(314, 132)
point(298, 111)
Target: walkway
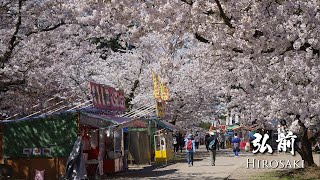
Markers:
point(227, 167)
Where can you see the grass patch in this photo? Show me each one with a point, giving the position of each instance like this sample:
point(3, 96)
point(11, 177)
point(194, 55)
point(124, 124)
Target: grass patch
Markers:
point(309, 173)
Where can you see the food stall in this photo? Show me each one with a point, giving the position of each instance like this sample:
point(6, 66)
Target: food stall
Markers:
point(39, 143)
point(161, 138)
point(45, 142)
point(103, 142)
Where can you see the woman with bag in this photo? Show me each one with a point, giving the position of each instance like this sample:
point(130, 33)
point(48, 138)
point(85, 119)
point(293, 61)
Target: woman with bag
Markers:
point(190, 149)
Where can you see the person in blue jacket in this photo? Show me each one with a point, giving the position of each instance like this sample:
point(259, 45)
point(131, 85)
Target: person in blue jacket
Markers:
point(236, 144)
point(190, 149)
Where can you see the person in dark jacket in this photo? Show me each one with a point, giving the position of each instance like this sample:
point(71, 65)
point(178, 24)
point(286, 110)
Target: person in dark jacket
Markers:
point(206, 139)
point(175, 143)
point(181, 142)
point(212, 146)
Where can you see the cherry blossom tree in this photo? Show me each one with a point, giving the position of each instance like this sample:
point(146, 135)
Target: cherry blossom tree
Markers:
point(266, 54)
point(260, 56)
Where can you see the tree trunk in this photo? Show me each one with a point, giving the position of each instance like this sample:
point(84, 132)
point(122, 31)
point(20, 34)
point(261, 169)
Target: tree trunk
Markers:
point(131, 95)
point(306, 150)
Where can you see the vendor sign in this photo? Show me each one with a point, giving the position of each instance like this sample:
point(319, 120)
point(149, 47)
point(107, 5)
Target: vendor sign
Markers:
point(106, 97)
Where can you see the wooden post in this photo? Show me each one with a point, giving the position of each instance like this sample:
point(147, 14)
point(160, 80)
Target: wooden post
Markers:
point(2, 143)
point(150, 146)
point(55, 168)
point(122, 158)
point(58, 168)
point(29, 171)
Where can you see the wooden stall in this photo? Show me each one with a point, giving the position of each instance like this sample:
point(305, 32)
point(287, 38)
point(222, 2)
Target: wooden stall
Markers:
point(161, 138)
point(42, 143)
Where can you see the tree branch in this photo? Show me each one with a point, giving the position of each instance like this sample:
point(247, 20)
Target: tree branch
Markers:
point(188, 2)
point(134, 87)
point(4, 86)
point(201, 39)
point(289, 48)
point(223, 15)
point(81, 88)
point(210, 12)
point(225, 18)
point(12, 43)
point(47, 29)
point(239, 87)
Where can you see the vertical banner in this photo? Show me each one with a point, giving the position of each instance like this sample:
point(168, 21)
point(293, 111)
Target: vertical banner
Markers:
point(161, 94)
point(160, 109)
point(106, 97)
point(156, 90)
point(164, 91)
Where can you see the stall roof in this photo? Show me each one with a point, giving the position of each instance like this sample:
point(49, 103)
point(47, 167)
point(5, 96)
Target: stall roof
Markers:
point(112, 119)
point(167, 125)
point(39, 116)
point(91, 110)
point(232, 127)
point(108, 120)
point(101, 118)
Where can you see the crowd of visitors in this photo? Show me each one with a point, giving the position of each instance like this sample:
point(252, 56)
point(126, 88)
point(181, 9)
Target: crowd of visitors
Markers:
point(213, 141)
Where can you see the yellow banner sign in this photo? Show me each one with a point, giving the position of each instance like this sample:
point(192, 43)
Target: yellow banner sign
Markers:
point(164, 91)
point(156, 90)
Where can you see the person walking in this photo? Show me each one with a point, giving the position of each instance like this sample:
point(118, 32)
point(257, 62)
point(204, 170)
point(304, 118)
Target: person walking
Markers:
point(235, 145)
point(212, 146)
point(206, 139)
point(181, 142)
point(226, 136)
point(190, 149)
point(219, 139)
point(175, 143)
point(230, 134)
point(222, 140)
point(197, 141)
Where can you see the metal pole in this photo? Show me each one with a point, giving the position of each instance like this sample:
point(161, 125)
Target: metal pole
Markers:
point(78, 124)
point(149, 133)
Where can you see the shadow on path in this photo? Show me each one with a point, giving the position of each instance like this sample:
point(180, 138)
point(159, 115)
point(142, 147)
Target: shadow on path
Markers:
point(221, 165)
point(148, 171)
point(182, 160)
